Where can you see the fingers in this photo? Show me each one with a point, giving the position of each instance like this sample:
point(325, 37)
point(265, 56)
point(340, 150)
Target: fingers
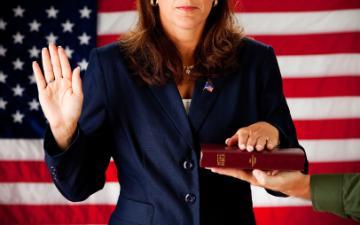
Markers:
point(259, 136)
point(272, 143)
point(55, 61)
point(39, 77)
point(64, 62)
point(76, 81)
point(237, 173)
point(48, 70)
point(261, 143)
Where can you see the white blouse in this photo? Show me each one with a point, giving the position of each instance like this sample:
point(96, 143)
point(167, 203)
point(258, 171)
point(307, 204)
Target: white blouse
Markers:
point(186, 102)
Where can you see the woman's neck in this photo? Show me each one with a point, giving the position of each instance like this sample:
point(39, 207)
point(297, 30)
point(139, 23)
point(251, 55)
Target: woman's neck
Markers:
point(185, 41)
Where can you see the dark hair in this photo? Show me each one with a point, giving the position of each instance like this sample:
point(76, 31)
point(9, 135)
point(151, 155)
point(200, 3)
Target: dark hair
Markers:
point(152, 56)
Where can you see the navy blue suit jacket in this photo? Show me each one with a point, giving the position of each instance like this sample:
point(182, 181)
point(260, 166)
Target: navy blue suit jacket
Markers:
point(155, 143)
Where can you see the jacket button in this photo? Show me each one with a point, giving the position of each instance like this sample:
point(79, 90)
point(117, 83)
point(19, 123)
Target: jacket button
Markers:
point(188, 164)
point(190, 198)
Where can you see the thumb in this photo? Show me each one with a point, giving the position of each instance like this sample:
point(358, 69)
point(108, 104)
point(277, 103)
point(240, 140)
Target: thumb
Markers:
point(260, 176)
point(76, 81)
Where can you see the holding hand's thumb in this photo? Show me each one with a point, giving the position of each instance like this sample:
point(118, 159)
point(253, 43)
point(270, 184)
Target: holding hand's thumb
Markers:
point(260, 176)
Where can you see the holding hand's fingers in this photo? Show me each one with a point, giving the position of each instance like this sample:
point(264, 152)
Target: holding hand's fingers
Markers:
point(55, 61)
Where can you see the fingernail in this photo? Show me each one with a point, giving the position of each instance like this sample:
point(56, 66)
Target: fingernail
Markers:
point(59, 46)
point(259, 147)
point(227, 140)
point(250, 148)
point(242, 147)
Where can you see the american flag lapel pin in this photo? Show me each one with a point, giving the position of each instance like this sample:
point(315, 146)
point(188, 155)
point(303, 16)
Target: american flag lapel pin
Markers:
point(209, 86)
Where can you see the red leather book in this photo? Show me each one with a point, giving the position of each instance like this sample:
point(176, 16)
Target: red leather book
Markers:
point(214, 155)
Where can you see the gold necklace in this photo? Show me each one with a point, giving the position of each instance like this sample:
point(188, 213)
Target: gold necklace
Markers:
point(188, 69)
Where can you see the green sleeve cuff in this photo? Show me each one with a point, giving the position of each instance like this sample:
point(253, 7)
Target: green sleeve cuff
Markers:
point(326, 193)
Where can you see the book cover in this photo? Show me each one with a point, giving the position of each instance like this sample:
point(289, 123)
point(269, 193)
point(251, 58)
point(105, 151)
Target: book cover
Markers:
point(216, 155)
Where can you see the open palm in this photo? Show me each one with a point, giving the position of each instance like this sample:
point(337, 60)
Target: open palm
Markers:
point(60, 90)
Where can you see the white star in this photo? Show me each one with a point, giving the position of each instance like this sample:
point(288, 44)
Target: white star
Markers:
point(2, 24)
point(69, 52)
point(34, 104)
point(51, 38)
point(84, 39)
point(34, 52)
point(52, 12)
point(2, 103)
point(83, 64)
point(34, 25)
point(3, 77)
point(18, 64)
point(18, 11)
point(2, 50)
point(85, 12)
point(32, 79)
point(18, 38)
point(17, 117)
point(18, 90)
point(67, 26)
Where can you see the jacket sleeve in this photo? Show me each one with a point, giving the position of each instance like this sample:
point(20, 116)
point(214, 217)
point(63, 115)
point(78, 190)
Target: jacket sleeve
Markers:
point(337, 193)
point(79, 171)
point(274, 108)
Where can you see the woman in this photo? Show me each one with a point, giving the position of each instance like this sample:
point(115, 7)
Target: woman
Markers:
point(128, 106)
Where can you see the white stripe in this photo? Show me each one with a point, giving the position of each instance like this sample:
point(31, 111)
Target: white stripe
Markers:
point(262, 199)
point(115, 22)
point(317, 150)
point(47, 194)
point(332, 150)
point(258, 23)
point(21, 149)
point(301, 22)
point(324, 108)
point(319, 65)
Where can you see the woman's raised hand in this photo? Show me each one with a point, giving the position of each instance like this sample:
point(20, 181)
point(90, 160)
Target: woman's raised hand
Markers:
point(60, 93)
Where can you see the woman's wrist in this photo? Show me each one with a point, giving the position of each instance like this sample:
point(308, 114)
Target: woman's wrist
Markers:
point(63, 136)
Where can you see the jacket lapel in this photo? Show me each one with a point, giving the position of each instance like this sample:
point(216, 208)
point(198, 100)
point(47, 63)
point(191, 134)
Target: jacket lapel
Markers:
point(169, 98)
point(203, 99)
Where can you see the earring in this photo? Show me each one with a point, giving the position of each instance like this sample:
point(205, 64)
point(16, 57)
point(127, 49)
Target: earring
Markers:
point(154, 2)
point(215, 3)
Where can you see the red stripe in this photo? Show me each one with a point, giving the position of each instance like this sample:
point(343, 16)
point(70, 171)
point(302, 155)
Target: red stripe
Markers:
point(106, 39)
point(307, 44)
point(298, 215)
point(25, 171)
point(252, 6)
point(55, 214)
point(100, 214)
point(36, 171)
point(334, 167)
point(291, 5)
point(328, 129)
point(322, 87)
point(116, 5)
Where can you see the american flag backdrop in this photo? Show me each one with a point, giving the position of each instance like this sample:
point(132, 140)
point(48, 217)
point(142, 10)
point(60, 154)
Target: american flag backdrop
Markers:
point(317, 43)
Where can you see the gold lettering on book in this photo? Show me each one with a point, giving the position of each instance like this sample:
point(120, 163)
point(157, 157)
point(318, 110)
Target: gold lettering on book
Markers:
point(252, 160)
point(220, 159)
